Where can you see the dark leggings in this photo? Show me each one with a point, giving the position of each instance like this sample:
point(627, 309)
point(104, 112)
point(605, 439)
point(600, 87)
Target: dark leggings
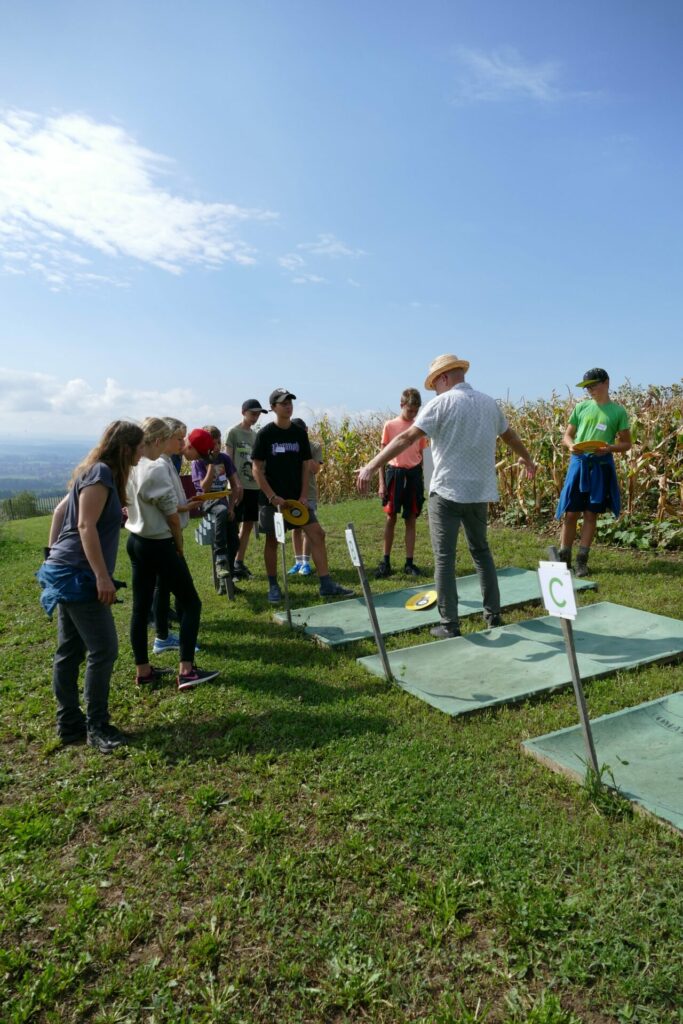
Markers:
point(149, 559)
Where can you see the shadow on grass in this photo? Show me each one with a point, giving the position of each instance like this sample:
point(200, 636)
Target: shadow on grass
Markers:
point(273, 731)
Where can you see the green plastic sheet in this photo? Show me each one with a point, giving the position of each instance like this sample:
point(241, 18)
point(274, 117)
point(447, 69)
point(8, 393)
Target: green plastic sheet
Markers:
point(641, 746)
point(342, 622)
point(510, 663)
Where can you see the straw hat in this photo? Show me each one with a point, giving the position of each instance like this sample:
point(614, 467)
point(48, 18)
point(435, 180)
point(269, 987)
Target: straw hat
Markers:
point(442, 364)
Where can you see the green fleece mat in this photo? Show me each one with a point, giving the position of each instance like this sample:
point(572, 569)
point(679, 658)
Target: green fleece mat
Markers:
point(342, 622)
point(643, 747)
point(509, 663)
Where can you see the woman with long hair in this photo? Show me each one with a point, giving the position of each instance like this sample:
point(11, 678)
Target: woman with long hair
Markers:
point(77, 578)
point(157, 514)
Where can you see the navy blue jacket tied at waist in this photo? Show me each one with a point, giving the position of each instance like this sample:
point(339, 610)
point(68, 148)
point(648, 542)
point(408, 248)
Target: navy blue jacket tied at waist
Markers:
point(62, 583)
point(597, 477)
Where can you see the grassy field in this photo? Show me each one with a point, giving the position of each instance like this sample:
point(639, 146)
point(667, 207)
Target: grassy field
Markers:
point(299, 842)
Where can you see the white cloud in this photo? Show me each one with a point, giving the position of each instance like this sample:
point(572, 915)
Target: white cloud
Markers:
point(309, 279)
point(290, 261)
point(328, 245)
point(503, 74)
point(72, 189)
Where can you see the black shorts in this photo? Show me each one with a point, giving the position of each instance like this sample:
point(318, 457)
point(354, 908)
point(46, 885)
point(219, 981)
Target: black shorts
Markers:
point(405, 491)
point(247, 510)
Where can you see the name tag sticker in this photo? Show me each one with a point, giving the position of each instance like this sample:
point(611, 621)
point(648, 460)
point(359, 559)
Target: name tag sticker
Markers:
point(601, 426)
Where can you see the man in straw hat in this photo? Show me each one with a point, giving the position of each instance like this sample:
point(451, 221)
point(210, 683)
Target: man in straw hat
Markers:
point(463, 425)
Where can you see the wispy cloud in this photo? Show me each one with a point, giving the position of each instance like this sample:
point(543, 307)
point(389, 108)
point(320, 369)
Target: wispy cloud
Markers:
point(73, 189)
point(326, 245)
point(502, 74)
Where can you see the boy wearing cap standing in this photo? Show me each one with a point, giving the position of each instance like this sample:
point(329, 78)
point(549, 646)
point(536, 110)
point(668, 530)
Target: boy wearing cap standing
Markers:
point(239, 443)
point(591, 485)
point(281, 458)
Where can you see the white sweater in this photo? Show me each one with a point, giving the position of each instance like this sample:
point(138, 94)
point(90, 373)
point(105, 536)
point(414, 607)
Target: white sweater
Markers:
point(154, 492)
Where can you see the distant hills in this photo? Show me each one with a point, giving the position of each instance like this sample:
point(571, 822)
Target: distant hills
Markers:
point(42, 467)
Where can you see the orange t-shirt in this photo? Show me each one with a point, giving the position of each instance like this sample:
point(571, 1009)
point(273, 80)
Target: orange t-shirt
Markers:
point(412, 456)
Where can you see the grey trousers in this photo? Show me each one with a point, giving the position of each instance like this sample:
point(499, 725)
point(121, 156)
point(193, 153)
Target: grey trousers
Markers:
point(82, 627)
point(445, 518)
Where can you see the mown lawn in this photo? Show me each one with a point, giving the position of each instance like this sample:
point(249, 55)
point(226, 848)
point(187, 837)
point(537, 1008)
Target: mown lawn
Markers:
point(299, 842)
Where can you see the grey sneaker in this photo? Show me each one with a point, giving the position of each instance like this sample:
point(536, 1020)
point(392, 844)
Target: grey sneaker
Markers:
point(333, 589)
point(446, 631)
point(106, 738)
point(581, 567)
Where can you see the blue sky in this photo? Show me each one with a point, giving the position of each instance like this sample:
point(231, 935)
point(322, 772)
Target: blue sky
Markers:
point(200, 202)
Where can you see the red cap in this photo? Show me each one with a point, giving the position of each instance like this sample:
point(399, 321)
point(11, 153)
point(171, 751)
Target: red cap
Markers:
point(201, 441)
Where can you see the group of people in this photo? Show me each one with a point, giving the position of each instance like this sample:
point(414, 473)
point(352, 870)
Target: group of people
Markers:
point(463, 426)
point(133, 473)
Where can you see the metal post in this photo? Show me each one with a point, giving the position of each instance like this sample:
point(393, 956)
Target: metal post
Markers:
point(282, 542)
point(357, 559)
point(584, 718)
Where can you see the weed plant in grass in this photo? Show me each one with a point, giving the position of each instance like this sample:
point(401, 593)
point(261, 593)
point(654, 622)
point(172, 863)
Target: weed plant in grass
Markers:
point(300, 842)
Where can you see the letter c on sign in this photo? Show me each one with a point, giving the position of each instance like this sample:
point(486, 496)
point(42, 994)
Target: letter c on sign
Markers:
point(560, 604)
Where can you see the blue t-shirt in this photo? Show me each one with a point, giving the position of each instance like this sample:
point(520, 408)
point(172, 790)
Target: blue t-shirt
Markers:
point(68, 549)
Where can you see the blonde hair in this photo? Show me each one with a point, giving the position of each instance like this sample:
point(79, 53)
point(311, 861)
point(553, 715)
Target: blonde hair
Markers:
point(155, 429)
point(174, 425)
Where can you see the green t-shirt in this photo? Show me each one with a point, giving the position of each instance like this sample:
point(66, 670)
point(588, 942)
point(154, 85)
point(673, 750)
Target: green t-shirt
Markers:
point(241, 441)
point(595, 422)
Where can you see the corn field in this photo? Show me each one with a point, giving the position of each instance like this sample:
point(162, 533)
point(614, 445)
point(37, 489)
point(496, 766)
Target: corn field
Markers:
point(650, 475)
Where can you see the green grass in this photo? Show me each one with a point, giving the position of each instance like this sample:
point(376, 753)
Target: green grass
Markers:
point(299, 842)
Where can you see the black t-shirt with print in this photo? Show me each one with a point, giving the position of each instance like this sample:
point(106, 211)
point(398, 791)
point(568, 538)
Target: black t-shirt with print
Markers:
point(284, 453)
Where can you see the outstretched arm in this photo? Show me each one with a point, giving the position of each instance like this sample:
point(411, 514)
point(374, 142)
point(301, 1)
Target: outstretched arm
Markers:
point(514, 441)
point(394, 448)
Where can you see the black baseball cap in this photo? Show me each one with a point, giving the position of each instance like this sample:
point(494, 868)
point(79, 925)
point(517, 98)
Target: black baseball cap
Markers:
point(594, 376)
point(280, 395)
point(253, 405)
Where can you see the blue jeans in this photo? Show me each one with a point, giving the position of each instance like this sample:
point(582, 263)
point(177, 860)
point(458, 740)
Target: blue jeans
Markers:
point(86, 626)
point(445, 518)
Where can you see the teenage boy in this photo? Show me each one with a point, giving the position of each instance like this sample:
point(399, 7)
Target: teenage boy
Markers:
point(281, 461)
point(239, 443)
point(300, 543)
point(212, 470)
point(591, 485)
point(401, 484)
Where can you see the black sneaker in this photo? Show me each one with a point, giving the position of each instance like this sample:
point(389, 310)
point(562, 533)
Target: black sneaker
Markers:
point(493, 620)
point(383, 570)
point(333, 589)
point(106, 738)
point(67, 739)
point(188, 680)
point(581, 569)
point(241, 572)
point(412, 570)
point(446, 631)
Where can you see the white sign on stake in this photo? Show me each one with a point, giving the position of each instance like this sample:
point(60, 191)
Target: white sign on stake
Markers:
point(557, 589)
point(279, 521)
point(353, 550)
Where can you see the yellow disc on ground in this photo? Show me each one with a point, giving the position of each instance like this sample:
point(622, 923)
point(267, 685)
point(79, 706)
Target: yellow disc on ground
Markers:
point(591, 447)
point(419, 602)
point(295, 513)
